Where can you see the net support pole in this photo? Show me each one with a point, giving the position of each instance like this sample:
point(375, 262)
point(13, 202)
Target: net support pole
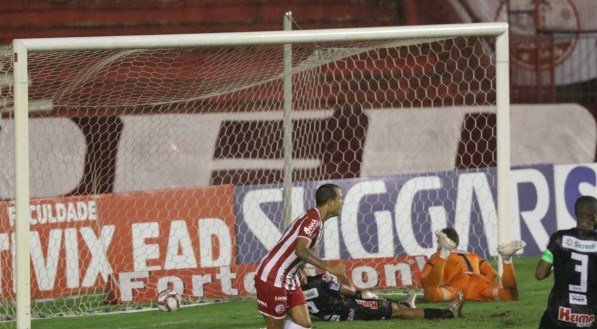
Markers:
point(287, 124)
point(503, 141)
point(22, 218)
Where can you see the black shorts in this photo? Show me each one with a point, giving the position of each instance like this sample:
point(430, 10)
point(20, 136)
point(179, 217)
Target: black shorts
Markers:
point(348, 309)
point(372, 309)
point(546, 322)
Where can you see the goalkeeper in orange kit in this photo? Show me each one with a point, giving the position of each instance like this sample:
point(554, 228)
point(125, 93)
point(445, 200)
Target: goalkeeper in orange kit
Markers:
point(448, 272)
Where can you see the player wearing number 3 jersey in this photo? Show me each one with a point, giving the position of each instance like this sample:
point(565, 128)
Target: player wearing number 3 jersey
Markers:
point(572, 253)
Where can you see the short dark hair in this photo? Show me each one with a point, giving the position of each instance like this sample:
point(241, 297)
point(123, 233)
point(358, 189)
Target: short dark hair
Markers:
point(585, 207)
point(452, 234)
point(326, 192)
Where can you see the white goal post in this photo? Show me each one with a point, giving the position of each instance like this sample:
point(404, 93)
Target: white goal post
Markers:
point(24, 48)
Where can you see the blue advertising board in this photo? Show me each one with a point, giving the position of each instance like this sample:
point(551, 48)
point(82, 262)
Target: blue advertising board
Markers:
point(397, 215)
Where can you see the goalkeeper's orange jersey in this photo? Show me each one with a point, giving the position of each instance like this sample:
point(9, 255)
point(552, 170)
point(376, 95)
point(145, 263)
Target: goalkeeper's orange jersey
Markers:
point(460, 266)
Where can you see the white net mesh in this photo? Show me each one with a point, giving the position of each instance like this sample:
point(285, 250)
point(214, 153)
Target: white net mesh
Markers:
point(7, 182)
point(162, 167)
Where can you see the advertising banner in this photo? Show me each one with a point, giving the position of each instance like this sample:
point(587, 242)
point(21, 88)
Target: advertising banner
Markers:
point(207, 242)
point(133, 245)
point(381, 217)
point(79, 243)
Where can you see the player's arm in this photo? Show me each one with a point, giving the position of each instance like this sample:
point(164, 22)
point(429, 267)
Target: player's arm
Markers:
point(302, 275)
point(426, 271)
point(347, 288)
point(301, 249)
point(487, 270)
point(544, 265)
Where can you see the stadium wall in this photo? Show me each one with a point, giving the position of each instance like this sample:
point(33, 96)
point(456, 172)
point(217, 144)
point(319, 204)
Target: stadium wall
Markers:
point(552, 45)
point(34, 19)
point(114, 154)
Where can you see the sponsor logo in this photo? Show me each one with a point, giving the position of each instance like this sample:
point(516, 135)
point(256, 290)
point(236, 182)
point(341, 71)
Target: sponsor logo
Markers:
point(280, 298)
point(311, 293)
point(280, 309)
point(578, 299)
point(309, 229)
point(579, 245)
point(580, 319)
point(262, 303)
point(332, 318)
point(58, 212)
point(372, 304)
point(559, 15)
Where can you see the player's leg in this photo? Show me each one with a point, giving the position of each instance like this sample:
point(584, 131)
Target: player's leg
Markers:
point(490, 291)
point(546, 322)
point(481, 289)
point(273, 323)
point(454, 311)
point(441, 294)
point(411, 298)
point(366, 294)
point(408, 302)
point(509, 291)
point(400, 311)
point(299, 318)
point(510, 288)
point(297, 310)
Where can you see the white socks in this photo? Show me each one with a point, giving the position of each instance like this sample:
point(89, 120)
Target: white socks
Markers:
point(288, 324)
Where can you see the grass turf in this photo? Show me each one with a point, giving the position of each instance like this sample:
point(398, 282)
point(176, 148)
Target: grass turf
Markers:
point(243, 314)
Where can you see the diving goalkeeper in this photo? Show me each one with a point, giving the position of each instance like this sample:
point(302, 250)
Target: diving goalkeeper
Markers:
point(450, 272)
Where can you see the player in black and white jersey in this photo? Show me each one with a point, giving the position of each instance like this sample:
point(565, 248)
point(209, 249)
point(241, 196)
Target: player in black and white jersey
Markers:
point(573, 255)
point(330, 300)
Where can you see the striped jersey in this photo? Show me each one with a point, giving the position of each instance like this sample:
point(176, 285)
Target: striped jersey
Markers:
point(280, 265)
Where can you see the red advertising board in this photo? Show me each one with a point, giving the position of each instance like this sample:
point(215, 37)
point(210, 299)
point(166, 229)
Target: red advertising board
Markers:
point(78, 242)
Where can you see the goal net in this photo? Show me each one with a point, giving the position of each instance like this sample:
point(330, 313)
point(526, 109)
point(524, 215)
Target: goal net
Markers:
point(162, 165)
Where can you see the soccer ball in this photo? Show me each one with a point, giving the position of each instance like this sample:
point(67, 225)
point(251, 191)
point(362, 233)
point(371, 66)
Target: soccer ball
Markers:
point(168, 300)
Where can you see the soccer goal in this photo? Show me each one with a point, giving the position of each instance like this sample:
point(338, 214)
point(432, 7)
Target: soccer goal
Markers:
point(133, 164)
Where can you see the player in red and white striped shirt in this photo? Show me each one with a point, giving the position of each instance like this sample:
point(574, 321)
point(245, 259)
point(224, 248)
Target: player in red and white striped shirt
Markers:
point(279, 292)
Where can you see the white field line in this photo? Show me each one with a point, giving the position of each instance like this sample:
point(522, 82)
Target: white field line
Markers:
point(159, 324)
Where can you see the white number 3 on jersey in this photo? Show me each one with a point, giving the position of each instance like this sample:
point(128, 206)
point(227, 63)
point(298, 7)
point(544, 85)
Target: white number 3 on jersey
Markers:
point(583, 269)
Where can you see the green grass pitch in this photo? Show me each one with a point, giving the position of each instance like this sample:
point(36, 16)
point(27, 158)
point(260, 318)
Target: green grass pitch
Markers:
point(243, 314)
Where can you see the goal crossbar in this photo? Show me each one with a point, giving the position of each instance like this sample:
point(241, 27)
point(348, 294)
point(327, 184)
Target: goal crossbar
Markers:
point(271, 37)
